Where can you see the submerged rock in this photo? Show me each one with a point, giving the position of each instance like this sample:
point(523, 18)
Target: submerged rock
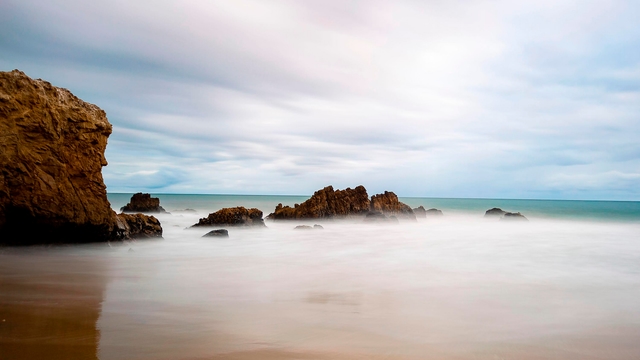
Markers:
point(318, 227)
point(236, 216)
point(420, 212)
point(509, 216)
point(434, 212)
point(51, 157)
point(303, 227)
point(326, 203)
point(217, 233)
point(138, 226)
point(494, 212)
point(143, 203)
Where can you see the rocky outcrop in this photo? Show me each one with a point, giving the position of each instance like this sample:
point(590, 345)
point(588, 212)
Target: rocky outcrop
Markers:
point(327, 203)
point(143, 203)
point(420, 212)
point(237, 216)
point(509, 216)
point(494, 212)
point(379, 217)
point(388, 204)
point(138, 226)
point(51, 155)
point(433, 212)
point(217, 233)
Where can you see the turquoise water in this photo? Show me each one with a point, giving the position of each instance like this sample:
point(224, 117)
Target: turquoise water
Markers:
point(547, 209)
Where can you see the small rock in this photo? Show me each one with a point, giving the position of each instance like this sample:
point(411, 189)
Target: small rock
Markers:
point(513, 217)
point(217, 233)
point(494, 212)
point(433, 212)
point(303, 227)
point(318, 227)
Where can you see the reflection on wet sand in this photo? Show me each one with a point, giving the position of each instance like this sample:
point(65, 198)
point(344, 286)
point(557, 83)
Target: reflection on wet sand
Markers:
point(49, 305)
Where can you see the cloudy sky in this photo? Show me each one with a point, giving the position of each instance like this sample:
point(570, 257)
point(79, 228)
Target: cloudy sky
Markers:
point(506, 99)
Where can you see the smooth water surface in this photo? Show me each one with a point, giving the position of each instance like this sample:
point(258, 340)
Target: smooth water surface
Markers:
point(455, 287)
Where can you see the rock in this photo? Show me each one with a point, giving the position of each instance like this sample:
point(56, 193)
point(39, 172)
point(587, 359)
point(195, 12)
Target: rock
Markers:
point(303, 227)
point(51, 157)
point(494, 212)
point(143, 203)
point(217, 233)
point(138, 226)
point(433, 212)
point(420, 212)
point(509, 216)
point(318, 227)
point(237, 216)
point(389, 204)
point(326, 203)
point(379, 217)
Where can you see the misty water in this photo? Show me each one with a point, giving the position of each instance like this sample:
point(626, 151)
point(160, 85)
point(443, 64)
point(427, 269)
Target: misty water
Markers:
point(455, 287)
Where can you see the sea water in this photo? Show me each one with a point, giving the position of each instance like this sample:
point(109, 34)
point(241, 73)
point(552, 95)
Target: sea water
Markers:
point(563, 285)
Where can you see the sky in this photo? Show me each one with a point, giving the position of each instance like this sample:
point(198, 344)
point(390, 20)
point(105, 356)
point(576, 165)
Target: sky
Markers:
point(482, 99)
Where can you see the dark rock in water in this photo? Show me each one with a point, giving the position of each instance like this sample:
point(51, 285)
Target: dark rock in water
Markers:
point(303, 227)
point(318, 227)
point(434, 212)
point(51, 157)
point(143, 203)
point(185, 211)
point(389, 204)
point(375, 216)
point(420, 212)
point(217, 233)
point(138, 226)
point(237, 216)
point(514, 217)
point(494, 212)
point(326, 203)
point(378, 217)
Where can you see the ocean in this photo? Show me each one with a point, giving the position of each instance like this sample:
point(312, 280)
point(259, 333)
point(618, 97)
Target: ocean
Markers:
point(563, 285)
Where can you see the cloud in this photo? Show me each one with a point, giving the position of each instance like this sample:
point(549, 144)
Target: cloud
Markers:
point(478, 99)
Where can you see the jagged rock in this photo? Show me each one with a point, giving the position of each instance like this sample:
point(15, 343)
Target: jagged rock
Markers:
point(494, 212)
point(318, 227)
point(389, 204)
point(379, 217)
point(217, 233)
point(420, 212)
point(236, 216)
point(326, 203)
point(143, 203)
point(433, 212)
point(51, 156)
point(138, 226)
point(303, 227)
point(509, 216)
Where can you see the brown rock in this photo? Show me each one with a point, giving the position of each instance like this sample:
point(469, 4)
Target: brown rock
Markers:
point(51, 156)
point(389, 204)
point(327, 203)
point(136, 226)
point(143, 203)
point(237, 216)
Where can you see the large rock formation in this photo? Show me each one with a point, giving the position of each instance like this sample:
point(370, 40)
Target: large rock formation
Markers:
point(237, 216)
point(143, 203)
point(327, 203)
point(51, 156)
